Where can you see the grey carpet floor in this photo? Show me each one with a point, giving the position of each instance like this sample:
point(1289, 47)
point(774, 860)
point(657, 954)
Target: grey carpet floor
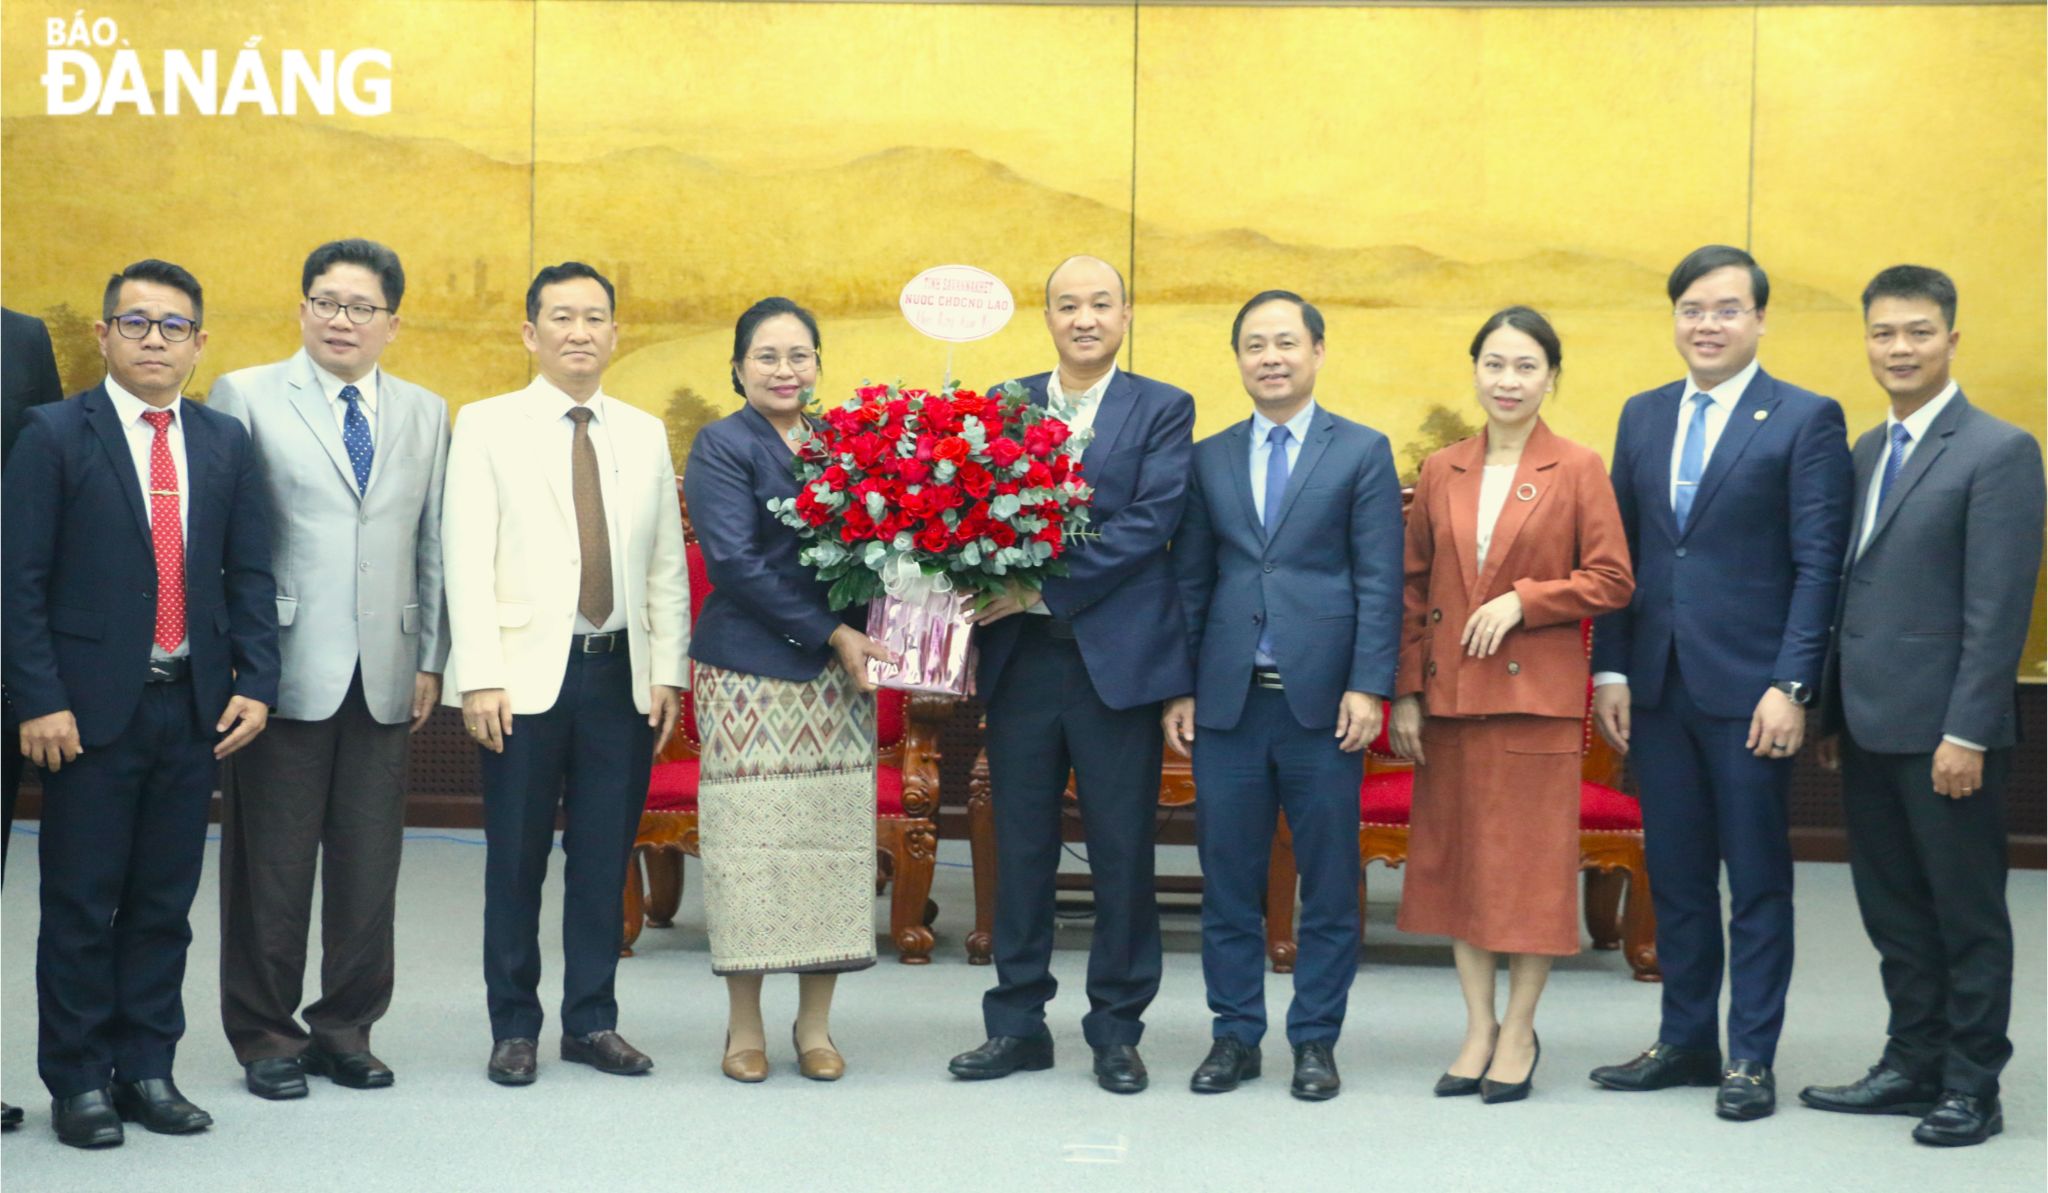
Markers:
point(898, 1122)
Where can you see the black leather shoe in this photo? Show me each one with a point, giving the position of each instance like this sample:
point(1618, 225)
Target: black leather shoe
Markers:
point(1119, 1070)
point(356, 1070)
point(1662, 1066)
point(607, 1052)
point(156, 1103)
point(10, 1117)
point(1491, 1091)
point(1231, 1061)
point(1000, 1056)
point(87, 1119)
point(1883, 1090)
point(1748, 1091)
point(275, 1077)
point(1315, 1072)
point(1960, 1120)
point(514, 1061)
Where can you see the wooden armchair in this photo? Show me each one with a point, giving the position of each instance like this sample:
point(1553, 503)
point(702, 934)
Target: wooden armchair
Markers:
point(906, 807)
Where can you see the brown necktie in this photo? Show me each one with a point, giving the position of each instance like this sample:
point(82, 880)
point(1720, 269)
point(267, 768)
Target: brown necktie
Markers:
point(594, 601)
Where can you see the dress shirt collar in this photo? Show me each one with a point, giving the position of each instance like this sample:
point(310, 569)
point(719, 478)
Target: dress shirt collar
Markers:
point(556, 404)
point(1297, 426)
point(366, 389)
point(129, 408)
point(1055, 392)
point(1729, 392)
point(1917, 422)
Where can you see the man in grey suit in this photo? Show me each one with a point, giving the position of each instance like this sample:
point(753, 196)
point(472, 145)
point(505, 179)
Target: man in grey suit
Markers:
point(1937, 592)
point(353, 460)
point(1289, 563)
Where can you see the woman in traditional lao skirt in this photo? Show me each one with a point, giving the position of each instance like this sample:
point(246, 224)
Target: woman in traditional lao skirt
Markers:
point(1513, 539)
point(785, 715)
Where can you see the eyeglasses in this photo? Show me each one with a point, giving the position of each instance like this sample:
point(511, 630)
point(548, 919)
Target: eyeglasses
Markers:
point(176, 328)
point(1691, 316)
point(358, 312)
point(799, 360)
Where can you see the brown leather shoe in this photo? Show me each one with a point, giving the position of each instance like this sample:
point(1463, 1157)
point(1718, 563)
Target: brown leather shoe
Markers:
point(514, 1061)
point(749, 1064)
point(818, 1064)
point(607, 1052)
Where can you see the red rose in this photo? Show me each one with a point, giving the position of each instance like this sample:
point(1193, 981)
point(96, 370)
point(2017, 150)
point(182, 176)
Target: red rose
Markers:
point(951, 448)
point(1038, 476)
point(1049, 534)
point(1059, 430)
point(868, 448)
point(835, 476)
point(934, 536)
point(1060, 465)
point(915, 472)
point(938, 413)
point(1038, 440)
point(975, 479)
point(1004, 452)
point(1003, 535)
point(966, 401)
point(1007, 488)
point(870, 393)
point(926, 444)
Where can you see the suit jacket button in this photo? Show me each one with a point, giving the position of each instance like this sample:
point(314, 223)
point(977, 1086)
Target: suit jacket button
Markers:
point(1681, 552)
point(1431, 669)
point(1436, 614)
point(1514, 668)
point(1269, 567)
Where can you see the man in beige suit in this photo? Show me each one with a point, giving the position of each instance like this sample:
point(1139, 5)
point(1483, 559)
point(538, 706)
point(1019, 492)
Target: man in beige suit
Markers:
point(566, 599)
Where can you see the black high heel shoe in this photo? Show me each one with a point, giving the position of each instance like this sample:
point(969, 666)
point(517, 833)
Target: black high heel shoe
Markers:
point(1450, 1086)
point(1504, 1091)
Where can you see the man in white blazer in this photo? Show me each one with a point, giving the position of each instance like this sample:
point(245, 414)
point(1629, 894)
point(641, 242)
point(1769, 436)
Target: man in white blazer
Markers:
point(352, 461)
point(568, 604)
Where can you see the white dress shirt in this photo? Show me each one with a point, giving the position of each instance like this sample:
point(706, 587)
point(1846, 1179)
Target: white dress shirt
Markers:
point(129, 409)
point(1262, 452)
point(1081, 423)
point(1493, 494)
point(608, 484)
point(366, 391)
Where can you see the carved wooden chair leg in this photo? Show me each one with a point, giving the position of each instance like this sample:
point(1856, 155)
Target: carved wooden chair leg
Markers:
point(981, 838)
point(1281, 880)
point(635, 902)
point(1639, 922)
point(1603, 906)
point(916, 854)
point(664, 886)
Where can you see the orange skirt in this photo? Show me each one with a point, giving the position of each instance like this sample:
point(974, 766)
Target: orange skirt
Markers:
point(1493, 842)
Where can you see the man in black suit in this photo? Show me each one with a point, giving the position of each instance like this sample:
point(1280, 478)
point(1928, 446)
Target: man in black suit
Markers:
point(1937, 591)
point(28, 377)
point(140, 641)
point(1075, 679)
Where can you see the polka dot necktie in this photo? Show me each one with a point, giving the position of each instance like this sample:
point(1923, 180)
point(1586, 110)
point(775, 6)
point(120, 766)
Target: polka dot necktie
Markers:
point(166, 534)
point(355, 436)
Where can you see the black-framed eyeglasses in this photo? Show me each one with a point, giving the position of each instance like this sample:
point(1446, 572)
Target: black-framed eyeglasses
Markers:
point(176, 328)
point(358, 312)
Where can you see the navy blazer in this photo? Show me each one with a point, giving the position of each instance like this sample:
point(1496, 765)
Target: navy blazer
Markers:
point(80, 587)
point(1328, 579)
point(1119, 589)
point(1746, 594)
point(1934, 611)
point(767, 613)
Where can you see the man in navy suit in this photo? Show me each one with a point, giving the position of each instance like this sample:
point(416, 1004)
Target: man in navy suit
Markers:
point(1734, 491)
point(1074, 679)
point(1289, 561)
point(141, 648)
point(1937, 591)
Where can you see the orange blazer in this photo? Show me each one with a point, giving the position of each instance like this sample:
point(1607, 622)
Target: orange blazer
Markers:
point(1558, 543)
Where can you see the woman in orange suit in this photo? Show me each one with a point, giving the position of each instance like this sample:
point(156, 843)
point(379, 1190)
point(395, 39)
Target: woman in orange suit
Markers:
point(1513, 539)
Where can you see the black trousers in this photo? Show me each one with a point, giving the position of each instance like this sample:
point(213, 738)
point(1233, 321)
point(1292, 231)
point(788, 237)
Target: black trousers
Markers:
point(1930, 881)
point(1045, 719)
point(306, 795)
point(10, 772)
point(123, 841)
point(590, 755)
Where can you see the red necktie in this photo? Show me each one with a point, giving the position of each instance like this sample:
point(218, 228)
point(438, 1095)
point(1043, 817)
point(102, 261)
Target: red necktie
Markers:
point(166, 533)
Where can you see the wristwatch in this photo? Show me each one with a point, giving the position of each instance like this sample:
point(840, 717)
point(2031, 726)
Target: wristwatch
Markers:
point(1797, 693)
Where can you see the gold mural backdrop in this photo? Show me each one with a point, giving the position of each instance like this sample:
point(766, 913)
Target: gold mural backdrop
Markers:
point(1409, 170)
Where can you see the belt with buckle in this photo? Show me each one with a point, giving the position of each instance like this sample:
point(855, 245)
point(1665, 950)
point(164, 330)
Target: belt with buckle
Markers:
point(1266, 677)
point(169, 670)
point(598, 643)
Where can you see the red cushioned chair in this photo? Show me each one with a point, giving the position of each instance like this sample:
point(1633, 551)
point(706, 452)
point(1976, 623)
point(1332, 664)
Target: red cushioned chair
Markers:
point(1610, 847)
point(906, 800)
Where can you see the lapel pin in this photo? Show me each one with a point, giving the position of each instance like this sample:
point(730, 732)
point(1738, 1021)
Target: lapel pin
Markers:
point(1527, 492)
point(1761, 415)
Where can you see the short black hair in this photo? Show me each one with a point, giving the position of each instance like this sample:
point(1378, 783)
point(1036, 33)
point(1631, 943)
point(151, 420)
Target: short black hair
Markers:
point(751, 320)
point(1310, 316)
point(1702, 261)
point(357, 251)
point(1914, 281)
point(163, 273)
point(1530, 322)
point(1122, 287)
point(562, 273)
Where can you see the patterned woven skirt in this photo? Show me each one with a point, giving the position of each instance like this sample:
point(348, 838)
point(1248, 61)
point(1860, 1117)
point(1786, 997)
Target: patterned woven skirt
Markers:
point(786, 820)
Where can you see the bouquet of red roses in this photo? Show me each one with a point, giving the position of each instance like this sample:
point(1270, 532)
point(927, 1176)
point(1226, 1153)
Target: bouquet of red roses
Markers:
point(926, 504)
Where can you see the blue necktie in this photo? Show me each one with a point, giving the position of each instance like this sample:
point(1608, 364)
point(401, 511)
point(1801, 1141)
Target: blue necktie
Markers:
point(1692, 460)
point(1897, 460)
point(1276, 493)
point(355, 436)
